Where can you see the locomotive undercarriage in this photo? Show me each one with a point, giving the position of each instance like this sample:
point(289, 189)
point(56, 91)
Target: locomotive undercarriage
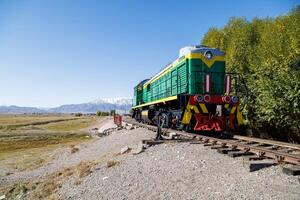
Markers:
point(186, 113)
point(170, 112)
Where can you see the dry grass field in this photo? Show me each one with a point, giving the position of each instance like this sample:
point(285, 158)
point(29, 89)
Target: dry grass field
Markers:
point(25, 140)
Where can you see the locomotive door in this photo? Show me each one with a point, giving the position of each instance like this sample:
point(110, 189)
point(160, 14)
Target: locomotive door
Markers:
point(174, 82)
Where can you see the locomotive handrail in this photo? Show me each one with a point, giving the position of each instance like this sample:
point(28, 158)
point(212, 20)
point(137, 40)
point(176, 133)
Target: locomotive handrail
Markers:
point(197, 73)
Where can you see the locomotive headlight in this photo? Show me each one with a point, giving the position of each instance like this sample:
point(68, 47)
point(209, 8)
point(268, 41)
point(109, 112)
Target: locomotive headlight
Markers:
point(235, 99)
point(208, 55)
point(207, 98)
point(226, 99)
point(198, 98)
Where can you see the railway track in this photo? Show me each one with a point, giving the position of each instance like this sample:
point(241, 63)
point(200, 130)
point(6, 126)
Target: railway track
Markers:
point(253, 148)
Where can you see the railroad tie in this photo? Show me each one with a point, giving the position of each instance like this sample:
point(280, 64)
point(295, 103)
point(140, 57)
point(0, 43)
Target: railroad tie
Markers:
point(255, 165)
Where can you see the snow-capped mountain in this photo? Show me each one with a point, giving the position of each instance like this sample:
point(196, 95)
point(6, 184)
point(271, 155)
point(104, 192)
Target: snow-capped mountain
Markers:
point(118, 101)
point(121, 105)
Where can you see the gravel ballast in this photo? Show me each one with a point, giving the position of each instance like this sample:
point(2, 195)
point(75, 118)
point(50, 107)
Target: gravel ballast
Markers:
point(181, 171)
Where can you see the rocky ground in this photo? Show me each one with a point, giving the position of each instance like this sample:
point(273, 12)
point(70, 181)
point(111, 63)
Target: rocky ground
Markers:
point(166, 171)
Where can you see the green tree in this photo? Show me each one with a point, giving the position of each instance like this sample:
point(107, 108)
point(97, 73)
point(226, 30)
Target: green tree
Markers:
point(78, 114)
point(112, 112)
point(266, 52)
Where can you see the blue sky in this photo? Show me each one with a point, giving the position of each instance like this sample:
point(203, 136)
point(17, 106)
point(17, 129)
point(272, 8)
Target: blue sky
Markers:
point(64, 51)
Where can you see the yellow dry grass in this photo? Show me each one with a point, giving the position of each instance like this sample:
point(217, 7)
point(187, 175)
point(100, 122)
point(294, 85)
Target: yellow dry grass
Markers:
point(112, 163)
point(16, 121)
point(84, 168)
point(69, 125)
point(74, 149)
point(47, 187)
point(26, 140)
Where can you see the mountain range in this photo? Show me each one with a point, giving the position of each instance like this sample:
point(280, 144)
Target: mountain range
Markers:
point(121, 105)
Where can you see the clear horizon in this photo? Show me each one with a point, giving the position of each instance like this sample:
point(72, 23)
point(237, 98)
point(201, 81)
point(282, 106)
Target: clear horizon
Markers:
point(68, 52)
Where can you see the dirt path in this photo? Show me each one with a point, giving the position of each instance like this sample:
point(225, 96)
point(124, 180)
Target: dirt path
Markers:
point(99, 123)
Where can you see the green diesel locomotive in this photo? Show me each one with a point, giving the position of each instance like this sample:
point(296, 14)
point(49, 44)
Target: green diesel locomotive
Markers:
point(193, 93)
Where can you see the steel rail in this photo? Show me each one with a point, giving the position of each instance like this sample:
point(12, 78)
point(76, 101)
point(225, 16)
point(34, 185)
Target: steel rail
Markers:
point(280, 157)
point(270, 142)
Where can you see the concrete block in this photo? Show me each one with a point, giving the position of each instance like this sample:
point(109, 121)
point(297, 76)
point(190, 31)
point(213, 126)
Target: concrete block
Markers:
point(291, 170)
point(172, 135)
point(260, 164)
point(218, 147)
point(140, 148)
point(196, 143)
point(253, 157)
point(153, 142)
point(225, 150)
point(125, 150)
point(238, 153)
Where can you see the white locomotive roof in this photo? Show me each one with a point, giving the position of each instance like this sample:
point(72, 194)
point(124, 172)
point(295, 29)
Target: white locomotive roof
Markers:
point(188, 50)
point(199, 49)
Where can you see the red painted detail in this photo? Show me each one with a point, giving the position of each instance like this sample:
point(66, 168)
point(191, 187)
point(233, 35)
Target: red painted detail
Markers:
point(118, 120)
point(201, 123)
point(192, 100)
point(195, 98)
point(230, 121)
point(207, 98)
point(216, 99)
point(208, 123)
point(226, 99)
point(213, 123)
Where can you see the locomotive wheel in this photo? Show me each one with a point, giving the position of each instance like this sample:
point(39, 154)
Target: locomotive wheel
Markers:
point(138, 116)
point(163, 120)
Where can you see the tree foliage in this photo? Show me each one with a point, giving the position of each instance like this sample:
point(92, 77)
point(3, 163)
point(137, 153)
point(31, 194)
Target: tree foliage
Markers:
point(78, 114)
point(101, 113)
point(267, 54)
